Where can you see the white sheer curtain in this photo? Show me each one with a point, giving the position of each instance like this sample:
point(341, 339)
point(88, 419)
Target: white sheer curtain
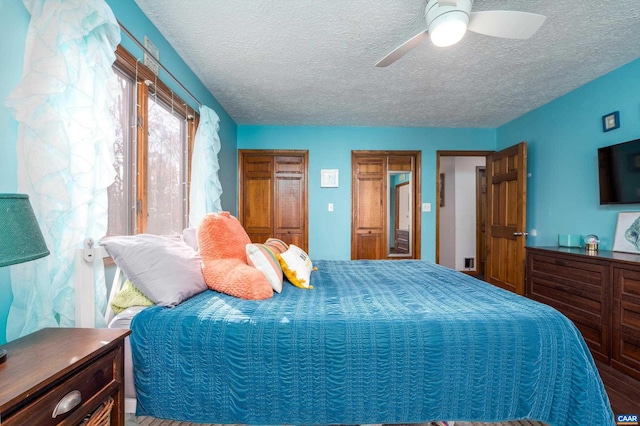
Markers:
point(206, 190)
point(65, 159)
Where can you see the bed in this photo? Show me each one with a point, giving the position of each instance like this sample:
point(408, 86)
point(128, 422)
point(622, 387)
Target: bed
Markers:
point(373, 342)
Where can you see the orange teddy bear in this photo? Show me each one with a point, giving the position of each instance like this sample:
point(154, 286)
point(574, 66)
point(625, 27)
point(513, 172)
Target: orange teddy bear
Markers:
point(222, 242)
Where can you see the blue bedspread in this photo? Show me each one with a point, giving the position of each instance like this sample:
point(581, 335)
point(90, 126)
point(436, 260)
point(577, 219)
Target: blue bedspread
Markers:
point(373, 342)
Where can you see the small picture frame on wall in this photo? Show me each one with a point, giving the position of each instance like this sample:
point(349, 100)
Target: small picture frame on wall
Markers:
point(611, 121)
point(329, 178)
point(627, 236)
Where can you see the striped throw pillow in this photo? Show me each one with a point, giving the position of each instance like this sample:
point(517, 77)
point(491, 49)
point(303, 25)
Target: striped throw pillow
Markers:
point(277, 244)
point(263, 257)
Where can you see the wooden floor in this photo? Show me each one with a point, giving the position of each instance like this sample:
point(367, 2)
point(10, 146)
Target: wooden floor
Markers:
point(623, 391)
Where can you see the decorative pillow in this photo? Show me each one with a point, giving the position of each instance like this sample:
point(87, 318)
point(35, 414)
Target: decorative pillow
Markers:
point(280, 245)
point(296, 266)
point(163, 268)
point(222, 241)
point(263, 257)
point(127, 297)
point(190, 237)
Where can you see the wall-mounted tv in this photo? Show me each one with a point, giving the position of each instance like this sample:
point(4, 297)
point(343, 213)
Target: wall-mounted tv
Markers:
point(619, 172)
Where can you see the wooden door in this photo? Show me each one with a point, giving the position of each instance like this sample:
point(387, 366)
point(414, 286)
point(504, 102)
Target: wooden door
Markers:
point(369, 208)
point(256, 196)
point(290, 193)
point(371, 221)
point(506, 218)
point(481, 219)
point(272, 198)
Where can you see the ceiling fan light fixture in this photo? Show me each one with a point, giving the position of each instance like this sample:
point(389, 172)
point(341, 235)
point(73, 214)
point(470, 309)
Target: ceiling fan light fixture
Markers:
point(448, 29)
point(449, 20)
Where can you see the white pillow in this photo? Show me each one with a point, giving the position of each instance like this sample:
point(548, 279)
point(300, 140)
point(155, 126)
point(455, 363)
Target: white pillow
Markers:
point(189, 236)
point(264, 258)
point(296, 266)
point(163, 268)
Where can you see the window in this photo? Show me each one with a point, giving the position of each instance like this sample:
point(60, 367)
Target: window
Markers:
point(154, 134)
point(166, 181)
point(122, 190)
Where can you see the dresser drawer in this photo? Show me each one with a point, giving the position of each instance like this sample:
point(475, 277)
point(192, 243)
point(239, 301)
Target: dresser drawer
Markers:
point(626, 320)
point(626, 353)
point(585, 278)
point(579, 288)
point(575, 287)
point(88, 387)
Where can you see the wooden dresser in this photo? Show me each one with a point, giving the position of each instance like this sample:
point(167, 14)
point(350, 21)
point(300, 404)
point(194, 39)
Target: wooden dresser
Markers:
point(599, 292)
point(54, 368)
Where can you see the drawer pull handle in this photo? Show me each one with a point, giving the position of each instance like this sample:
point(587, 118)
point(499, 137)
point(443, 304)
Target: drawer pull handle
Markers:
point(67, 403)
point(562, 263)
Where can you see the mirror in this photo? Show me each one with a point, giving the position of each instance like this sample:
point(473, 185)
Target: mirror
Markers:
point(400, 214)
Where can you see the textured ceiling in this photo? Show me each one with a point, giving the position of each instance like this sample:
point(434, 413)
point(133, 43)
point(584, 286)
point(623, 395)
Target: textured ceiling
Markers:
point(303, 62)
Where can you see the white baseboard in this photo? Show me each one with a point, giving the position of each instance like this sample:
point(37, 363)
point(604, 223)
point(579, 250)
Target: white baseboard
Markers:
point(130, 405)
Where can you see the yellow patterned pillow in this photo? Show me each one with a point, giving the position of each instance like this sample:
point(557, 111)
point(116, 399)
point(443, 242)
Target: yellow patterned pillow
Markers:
point(296, 266)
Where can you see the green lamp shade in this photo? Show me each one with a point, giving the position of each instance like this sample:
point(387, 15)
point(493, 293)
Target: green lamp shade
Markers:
point(20, 237)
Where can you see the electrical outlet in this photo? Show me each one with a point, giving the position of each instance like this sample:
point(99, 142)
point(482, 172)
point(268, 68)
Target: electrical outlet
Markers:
point(426, 207)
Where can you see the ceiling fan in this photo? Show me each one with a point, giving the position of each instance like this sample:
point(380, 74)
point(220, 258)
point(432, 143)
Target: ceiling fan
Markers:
point(448, 20)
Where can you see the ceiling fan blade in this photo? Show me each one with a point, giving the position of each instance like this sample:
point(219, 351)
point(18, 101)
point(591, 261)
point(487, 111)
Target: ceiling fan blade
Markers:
point(403, 49)
point(505, 23)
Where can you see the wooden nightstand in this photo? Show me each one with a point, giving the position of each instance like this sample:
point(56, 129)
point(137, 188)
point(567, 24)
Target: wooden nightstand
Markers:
point(83, 366)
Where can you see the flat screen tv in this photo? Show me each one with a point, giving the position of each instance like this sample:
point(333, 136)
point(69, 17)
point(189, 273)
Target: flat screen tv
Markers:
point(619, 172)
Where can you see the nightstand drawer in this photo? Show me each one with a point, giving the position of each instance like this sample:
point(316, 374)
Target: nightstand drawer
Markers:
point(83, 391)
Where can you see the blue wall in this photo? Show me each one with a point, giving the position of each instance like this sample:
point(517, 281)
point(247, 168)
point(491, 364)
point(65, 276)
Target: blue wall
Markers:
point(14, 21)
point(330, 148)
point(563, 138)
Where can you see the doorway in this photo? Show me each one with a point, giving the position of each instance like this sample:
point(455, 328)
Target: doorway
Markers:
point(461, 210)
point(504, 229)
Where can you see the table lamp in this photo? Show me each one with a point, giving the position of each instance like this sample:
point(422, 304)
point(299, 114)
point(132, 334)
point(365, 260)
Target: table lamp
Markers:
point(20, 237)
